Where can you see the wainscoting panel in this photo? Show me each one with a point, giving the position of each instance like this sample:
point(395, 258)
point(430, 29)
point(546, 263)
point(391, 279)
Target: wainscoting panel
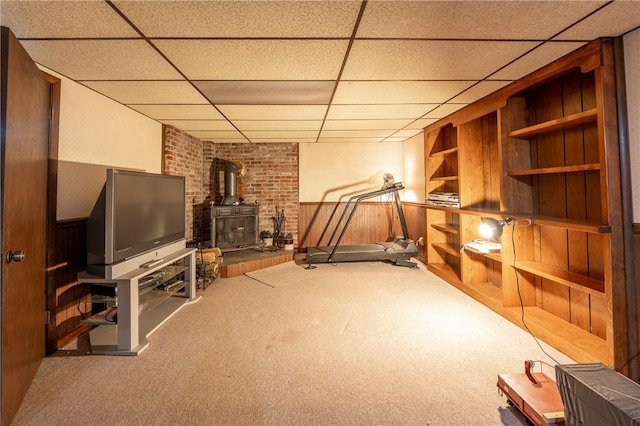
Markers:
point(63, 292)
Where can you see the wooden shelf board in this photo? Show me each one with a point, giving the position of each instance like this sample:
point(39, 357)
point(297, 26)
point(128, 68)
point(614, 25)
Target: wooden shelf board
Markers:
point(438, 178)
point(447, 248)
point(551, 170)
point(578, 344)
point(445, 227)
point(444, 209)
point(445, 152)
point(444, 271)
point(572, 120)
point(575, 225)
point(570, 279)
point(494, 256)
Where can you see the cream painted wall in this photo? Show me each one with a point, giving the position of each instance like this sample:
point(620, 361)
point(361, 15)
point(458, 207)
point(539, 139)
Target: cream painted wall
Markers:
point(97, 133)
point(632, 77)
point(413, 169)
point(335, 172)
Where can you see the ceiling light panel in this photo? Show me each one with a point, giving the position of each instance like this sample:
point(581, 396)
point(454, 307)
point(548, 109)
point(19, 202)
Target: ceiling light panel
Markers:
point(246, 125)
point(242, 18)
point(63, 19)
point(366, 112)
point(364, 124)
point(188, 125)
point(179, 112)
point(613, 20)
point(256, 59)
point(101, 59)
point(429, 59)
point(398, 92)
point(540, 57)
point(273, 112)
point(506, 20)
point(148, 92)
point(267, 92)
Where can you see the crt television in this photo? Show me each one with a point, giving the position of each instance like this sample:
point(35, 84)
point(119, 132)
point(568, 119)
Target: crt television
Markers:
point(135, 213)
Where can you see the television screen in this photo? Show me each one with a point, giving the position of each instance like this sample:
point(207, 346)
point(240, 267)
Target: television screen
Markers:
point(135, 213)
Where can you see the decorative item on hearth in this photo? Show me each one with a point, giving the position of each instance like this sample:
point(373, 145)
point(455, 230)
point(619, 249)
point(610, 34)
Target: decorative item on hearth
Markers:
point(267, 237)
point(278, 228)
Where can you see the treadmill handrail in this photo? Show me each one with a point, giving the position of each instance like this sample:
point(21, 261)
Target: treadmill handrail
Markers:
point(361, 197)
point(394, 189)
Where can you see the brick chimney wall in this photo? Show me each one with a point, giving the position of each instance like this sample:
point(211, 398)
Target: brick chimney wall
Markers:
point(271, 178)
point(183, 156)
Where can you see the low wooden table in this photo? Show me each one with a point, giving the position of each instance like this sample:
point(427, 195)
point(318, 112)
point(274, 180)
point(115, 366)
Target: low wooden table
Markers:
point(540, 403)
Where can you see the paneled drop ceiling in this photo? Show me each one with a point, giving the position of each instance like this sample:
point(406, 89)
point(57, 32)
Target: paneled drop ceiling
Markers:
point(305, 71)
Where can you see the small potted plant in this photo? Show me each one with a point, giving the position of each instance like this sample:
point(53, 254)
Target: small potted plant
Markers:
point(288, 242)
point(267, 237)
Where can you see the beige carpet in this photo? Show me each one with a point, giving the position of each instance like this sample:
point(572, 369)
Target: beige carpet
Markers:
point(357, 343)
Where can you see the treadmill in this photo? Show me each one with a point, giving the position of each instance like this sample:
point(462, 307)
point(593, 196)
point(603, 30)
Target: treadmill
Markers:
point(399, 251)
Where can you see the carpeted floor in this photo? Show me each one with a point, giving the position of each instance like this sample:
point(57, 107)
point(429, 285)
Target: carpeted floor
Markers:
point(352, 344)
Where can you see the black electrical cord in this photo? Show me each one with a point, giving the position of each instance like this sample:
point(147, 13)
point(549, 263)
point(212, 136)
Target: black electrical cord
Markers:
point(515, 271)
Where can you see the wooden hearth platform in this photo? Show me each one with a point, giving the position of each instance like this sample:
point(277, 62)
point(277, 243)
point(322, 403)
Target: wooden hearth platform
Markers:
point(238, 262)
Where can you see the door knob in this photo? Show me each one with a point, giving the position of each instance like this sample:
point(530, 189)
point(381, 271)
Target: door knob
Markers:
point(18, 256)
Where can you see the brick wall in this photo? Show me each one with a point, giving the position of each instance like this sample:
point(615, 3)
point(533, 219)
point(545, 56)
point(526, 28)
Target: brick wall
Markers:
point(183, 156)
point(271, 179)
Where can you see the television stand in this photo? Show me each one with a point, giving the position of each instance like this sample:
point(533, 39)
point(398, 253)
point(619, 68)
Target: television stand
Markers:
point(144, 299)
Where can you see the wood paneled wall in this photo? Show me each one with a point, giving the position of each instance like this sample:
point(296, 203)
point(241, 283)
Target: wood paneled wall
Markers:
point(68, 257)
point(373, 221)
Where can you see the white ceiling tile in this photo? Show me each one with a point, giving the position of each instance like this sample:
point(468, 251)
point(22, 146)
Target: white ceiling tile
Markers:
point(355, 133)
point(179, 112)
point(273, 112)
point(405, 133)
point(279, 134)
point(444, 110)
point(284, 140)
point(430, 59)
point(365, 112)
point(256, 59)
point(421, 123)
point(364, 124)
point(242, 18)
point(538, 58)
point(613, 20)
point(507, 20)
point(63, 19)
point(305, 92)
point(148, 92)
point(246, 125)
point(101, 59)
point(218, 135)
point(349, 140)
point(479, 91)
point(397, 92)
point(188, 125)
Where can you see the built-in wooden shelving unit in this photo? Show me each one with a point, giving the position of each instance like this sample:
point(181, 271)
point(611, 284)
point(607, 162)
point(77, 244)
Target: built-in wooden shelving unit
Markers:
point(543, 158)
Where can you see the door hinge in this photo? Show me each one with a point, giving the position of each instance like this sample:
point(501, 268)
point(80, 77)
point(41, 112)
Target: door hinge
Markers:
point(47, 317)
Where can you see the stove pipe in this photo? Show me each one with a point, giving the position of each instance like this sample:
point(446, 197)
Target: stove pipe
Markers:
point(231, 185)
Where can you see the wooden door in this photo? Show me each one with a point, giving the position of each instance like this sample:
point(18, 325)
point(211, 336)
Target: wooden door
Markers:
point(24, 119)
